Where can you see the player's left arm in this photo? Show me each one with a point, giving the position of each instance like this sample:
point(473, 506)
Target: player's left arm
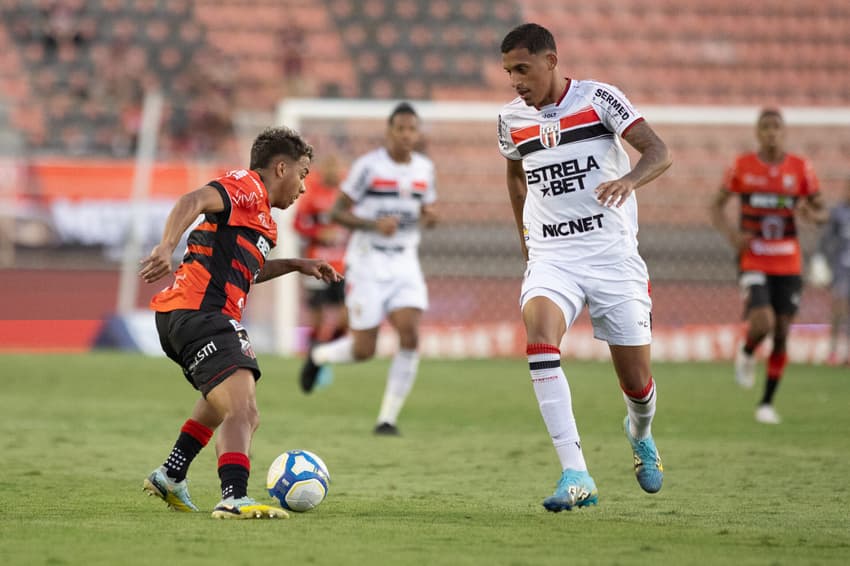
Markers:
point(428, 216)
point(813, 209)
point(654, 159)
point(318, 268)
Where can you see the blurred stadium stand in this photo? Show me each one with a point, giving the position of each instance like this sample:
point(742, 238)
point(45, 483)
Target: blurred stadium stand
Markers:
point(73, 72)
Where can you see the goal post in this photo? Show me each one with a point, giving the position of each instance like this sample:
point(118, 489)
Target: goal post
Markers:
point(472, 261)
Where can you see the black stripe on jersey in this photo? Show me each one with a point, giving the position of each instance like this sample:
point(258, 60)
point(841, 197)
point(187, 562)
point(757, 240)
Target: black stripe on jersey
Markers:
point(382, 194)
point(223, 216)
point(201, 238)
point(570, 136)
point(218, 266)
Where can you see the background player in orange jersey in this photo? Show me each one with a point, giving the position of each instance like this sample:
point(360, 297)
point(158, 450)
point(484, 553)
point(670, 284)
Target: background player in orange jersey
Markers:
point(198, 315)
point(773, 186)
point(323, 238)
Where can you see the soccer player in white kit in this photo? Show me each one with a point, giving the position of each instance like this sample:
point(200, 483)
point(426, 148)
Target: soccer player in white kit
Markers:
point(388, 193)
point(571, 188)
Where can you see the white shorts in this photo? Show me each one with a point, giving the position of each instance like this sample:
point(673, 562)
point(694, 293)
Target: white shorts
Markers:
point(373, 292)
point(617, 297)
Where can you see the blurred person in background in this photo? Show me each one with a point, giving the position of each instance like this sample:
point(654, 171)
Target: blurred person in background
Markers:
point(325, 239)
point(572, 190)
point(198, 316)
point(831, 266)
point(773, 186)
point(388, 194)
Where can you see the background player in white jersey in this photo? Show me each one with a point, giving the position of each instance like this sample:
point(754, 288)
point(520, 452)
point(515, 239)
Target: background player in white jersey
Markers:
point(834, 253)
point(571, 188)
point(387, 194)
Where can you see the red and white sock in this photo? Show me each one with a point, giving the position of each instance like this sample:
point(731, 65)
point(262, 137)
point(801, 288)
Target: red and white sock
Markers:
point(641, 408)
point(555, 402)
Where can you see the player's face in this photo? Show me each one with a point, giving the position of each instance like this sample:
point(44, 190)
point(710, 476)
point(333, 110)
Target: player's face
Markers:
point(530, 75)
point(770, 132)
point(291, 175)
point(403, 133)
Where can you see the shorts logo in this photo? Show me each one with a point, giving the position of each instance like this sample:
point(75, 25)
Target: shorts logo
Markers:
point(247, 348)
point(237, 326)
point(550, 134)
point(203, 353)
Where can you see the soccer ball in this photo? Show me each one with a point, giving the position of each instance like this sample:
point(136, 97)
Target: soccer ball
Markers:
point(298, 479)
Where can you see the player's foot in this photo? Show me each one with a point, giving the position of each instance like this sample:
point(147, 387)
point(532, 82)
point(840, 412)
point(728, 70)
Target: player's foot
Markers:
point(174, 493)
point(648, 468)
point(745, 369)
point(313, 375)
point(575, 489)
point(766, 414)
point(246, 508)
point(386, 429)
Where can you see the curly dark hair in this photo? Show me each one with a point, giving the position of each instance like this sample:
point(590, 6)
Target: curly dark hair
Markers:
point(278, 141)
point(533, 37)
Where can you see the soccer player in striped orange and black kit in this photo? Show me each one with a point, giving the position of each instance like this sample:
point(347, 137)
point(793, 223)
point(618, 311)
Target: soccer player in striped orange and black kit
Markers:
point(198, 315)
point(773, 186)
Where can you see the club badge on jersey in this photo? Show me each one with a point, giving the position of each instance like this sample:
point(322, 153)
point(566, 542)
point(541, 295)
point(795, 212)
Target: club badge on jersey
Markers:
point(550, 134)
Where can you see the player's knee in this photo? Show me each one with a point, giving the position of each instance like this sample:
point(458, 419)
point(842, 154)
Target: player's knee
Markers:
point(363, 352)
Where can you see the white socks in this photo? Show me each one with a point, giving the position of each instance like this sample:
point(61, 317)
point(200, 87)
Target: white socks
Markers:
point(402, 374)
point(641, 407)
point(555, 401)
point(338, 351)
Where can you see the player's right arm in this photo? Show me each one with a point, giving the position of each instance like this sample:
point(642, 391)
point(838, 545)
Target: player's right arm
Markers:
point(342, 213)
point(206, 200)
point(517, 189)
point(720, 220)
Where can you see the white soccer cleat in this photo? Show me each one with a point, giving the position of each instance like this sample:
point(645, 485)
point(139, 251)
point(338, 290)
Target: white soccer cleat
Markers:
point(766, 414)
point(745, 369)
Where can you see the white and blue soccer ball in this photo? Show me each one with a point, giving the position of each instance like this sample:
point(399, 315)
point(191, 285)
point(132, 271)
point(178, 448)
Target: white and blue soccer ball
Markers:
point(298, 479)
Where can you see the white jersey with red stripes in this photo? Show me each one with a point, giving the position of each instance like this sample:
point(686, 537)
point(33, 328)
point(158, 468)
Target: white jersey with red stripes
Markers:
point(381, 187)
point(567, 149)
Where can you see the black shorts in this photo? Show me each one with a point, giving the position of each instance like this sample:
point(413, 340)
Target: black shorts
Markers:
point(782, 292)
point(208, 346)
point(332, 294)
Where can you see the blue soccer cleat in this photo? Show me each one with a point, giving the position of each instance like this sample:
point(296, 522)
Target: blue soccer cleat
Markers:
point(648, 468)
point(175, 494)
point(575, 489)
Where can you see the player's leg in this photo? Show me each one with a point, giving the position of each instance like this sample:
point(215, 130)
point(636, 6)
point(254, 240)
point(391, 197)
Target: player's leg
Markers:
point(168, 481)
point(364, 301)
point(235, 400)
point(632, 364)
point(403, 369)
point(545, 325)
point(760, 319)
point(785, 293)
point(840, 291)
point(550, 301)
point(621, 311)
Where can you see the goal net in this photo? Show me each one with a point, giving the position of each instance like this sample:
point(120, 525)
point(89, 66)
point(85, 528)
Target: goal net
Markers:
point(472, 259)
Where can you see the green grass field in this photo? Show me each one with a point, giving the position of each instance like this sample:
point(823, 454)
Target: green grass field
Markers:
point(462, 486)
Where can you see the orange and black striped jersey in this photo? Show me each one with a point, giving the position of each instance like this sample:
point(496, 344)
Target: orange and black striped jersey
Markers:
point(769, 194)
point(323, 238)
point(225, 252)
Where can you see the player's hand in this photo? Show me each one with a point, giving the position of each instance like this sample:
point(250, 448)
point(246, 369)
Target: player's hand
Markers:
point(614, 193)
point(740, 240)
point(386, 225)
point(428, 218)
point(157, 265)
point(320, 269)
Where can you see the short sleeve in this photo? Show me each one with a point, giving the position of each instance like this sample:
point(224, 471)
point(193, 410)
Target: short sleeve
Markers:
point(506, 144)
point(811, 184)
point(431, 192)
point(613, 108)
point(357, 181)
point(731, 179)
